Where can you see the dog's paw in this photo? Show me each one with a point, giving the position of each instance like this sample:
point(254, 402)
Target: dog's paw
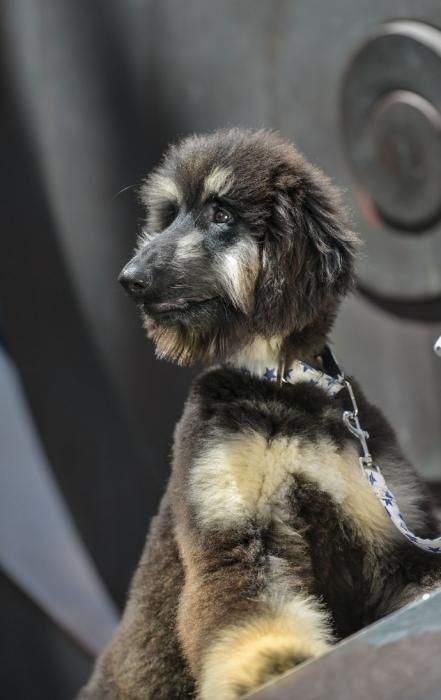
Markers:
point(245, 657)
point(261, 662)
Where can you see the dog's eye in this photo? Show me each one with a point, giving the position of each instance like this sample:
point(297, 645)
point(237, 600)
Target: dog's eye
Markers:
point(220, 216)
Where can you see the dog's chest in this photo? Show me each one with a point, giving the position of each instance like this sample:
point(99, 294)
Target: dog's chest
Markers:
point(246, 477)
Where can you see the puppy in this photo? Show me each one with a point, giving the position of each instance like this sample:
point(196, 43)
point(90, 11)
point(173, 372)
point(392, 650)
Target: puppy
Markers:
point(269, 544)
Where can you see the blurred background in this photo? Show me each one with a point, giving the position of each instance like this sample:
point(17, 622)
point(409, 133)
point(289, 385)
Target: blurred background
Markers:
point(91, 93)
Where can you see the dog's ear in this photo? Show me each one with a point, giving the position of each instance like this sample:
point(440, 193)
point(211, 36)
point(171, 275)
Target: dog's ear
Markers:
point(328, 237)
point(308, 253)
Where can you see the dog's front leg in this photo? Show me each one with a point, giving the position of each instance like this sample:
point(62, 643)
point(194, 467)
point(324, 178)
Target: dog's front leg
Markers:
point(240, 628)
point(245, 614)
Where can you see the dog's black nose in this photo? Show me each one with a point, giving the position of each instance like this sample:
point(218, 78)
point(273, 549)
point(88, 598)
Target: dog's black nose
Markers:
point(133, 281)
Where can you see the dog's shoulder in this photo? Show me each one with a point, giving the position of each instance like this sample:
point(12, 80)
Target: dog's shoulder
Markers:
point(237, 400)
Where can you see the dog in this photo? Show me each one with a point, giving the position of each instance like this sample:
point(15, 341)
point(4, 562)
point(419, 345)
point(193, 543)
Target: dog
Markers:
point(269, 545)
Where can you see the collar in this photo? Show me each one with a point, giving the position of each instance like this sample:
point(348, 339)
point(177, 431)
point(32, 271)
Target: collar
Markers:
point(300, 371)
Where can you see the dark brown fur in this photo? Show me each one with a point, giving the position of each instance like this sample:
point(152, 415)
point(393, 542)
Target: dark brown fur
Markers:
point(146, 644)
point(196, 580)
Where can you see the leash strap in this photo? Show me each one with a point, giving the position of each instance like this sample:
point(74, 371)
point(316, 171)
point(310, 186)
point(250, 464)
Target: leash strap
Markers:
point(376, 480)
point(385, 495)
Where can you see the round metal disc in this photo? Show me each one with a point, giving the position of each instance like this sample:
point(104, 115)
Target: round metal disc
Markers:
point(391, 110)
point(402, 170)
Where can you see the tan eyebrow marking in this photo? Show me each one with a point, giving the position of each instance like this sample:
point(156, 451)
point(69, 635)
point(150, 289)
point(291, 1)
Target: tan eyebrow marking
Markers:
point(163, 187)
point(218, 181)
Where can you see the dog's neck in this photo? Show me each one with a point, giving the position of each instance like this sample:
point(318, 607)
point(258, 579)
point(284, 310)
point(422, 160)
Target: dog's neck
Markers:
point(267, 353)
point(258, 355)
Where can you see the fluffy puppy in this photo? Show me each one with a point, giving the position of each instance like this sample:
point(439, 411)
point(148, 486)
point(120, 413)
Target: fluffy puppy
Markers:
point(269, 544)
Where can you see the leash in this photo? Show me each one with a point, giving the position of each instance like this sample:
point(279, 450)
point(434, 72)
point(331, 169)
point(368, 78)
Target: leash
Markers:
point(372, 472)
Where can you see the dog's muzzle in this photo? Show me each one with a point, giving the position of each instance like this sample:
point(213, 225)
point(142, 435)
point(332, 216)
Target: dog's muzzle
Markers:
point(151, 286)
point(149, 275)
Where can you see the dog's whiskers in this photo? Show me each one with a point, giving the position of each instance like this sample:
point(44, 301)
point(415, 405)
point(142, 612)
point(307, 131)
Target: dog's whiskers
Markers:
point(124, 189)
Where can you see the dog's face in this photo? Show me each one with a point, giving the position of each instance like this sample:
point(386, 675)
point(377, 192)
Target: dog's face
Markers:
point(242, 239)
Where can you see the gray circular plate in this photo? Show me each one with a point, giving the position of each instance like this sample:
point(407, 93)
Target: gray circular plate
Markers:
point(391, 115)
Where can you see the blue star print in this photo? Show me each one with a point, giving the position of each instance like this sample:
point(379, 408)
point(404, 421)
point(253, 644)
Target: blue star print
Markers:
point(270, 373)
point(412, 538)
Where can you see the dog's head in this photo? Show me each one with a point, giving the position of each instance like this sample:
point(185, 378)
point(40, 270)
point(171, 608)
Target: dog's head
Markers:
point(242, 239)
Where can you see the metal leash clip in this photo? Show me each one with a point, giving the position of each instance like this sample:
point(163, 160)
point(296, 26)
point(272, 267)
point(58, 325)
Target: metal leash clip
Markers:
point(352, 422)
point(350, 418)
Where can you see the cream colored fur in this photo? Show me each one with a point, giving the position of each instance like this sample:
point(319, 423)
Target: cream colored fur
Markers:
point(246, 477)
point(237, 661)
point(162, 187)
point(237, 270)
point(258, 355)
point(218, 182)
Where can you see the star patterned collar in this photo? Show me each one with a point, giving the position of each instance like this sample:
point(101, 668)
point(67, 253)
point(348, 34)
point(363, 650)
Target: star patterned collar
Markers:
point(301, 371)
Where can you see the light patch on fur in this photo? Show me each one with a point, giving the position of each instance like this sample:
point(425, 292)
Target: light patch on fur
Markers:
point(161, 187)
point(170, 343)
point(160, 193)
point(260, 354)
point(218, 182)
point(189, 246)
point(179, 343)
point(246, 477)
point(236, 270)
point(246, 655)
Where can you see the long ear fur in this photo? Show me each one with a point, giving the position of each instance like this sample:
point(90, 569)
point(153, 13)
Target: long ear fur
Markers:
point(329, 236)
point(307, 255)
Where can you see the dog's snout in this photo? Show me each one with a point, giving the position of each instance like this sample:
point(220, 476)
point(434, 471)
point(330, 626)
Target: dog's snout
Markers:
point(134, 282)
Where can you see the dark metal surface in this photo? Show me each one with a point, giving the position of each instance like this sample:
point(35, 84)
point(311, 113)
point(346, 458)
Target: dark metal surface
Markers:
point(391, 111)
point(394, 659)
point(405, 161)
point(392, 122)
